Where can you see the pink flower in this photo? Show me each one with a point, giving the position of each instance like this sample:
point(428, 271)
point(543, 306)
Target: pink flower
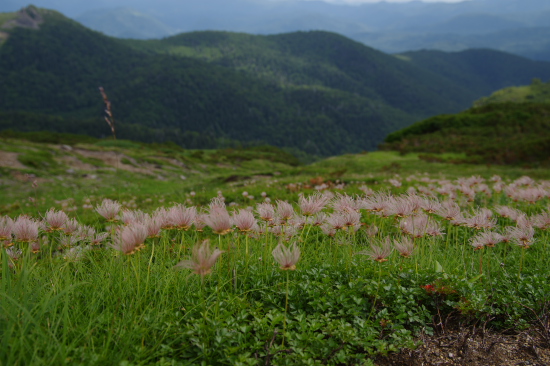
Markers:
point(284, 211)
point(266, 211)
point(371, 230)
point(351, 218)
point(56, 219)
point(319, 219)
point(343, 202)
point(200, 222)
point(287, 257)
point(336, 220)
point(481, 219)
point(375, 203)
point(97, 239)
point(379, 253)
point(430, 205)
point(405, 247)
point(108, 209)
point(299, 222)
point(508, 212)
point(153, 225)
point(202, 259)
point(524, 236)
point(419, 226)
point(183, 217)
point(129, 216)
point(218, 218)
point(6, 224)
point(71, 226)
point(485, 239)
point(400, 207)
point(542, 221)
point(312, 204)
point(244, 220)
point(130, 238)
point(25, 229)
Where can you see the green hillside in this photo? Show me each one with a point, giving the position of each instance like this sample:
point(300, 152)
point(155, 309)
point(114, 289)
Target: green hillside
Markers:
point(317, 92)
point(319, 59)
point(57, 69)
point(499, 133)
point(537, 92)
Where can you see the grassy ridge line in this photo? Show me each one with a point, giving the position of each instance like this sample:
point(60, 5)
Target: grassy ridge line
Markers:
point(537, 92)
point(505, 133)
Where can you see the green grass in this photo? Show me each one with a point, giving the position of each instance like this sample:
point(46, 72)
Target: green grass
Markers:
point(79, 304)
point(537, 92)
point(38, 160)
point(4, 17)
point(337, 307)
point(495, 133)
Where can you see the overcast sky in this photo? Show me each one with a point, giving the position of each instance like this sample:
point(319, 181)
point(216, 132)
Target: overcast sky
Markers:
point(377, 1)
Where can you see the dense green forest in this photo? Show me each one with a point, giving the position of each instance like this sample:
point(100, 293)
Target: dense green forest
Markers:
point(316, 92)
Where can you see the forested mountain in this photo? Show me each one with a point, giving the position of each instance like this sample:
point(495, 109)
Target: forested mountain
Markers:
point(315, 91)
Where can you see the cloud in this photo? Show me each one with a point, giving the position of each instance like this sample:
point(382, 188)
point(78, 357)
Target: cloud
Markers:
point(357, 2)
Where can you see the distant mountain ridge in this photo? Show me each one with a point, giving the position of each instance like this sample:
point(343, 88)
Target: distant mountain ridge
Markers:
point(506, 25)
point(125, 23)
point(316, 92)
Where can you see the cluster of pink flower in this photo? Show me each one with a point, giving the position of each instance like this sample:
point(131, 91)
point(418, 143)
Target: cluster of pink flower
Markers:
point(36, 234)
point(417, 214)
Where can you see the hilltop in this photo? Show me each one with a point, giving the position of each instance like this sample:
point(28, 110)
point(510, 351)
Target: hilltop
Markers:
point(536, 92)
point(508, 127)
point(315, 92)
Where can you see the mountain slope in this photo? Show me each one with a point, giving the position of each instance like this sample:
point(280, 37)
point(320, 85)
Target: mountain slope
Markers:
point(321, 59)
point(500, 133)
point(537, 92)
point(422, 82)
point(508, 127)
point(58, 68)
point(482, 70)
point(314, 91)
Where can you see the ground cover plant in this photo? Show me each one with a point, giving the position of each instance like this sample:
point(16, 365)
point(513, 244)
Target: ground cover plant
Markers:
point(313, 265)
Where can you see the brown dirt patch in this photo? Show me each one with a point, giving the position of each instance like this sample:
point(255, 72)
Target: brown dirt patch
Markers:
point(9, 160)
point(75, 163)
point(475, 346)
point(28, 17)
point(174, 162)
point(114, 159)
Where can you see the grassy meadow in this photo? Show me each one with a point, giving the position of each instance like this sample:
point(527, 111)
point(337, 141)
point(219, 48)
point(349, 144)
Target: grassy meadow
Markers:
point(122, 253)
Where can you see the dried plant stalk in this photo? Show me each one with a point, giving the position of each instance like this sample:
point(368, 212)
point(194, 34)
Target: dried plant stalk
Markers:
point(108, 112)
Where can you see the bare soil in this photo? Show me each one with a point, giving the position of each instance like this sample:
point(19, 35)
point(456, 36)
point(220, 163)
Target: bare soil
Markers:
point(9, 160)
point(475, 346)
